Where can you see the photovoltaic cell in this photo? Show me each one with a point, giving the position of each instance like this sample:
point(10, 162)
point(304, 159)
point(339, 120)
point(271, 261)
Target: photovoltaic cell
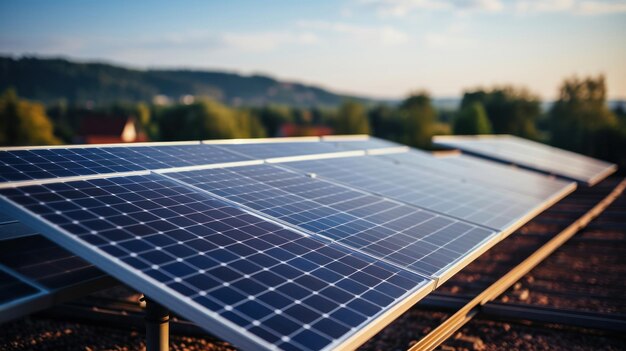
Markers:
point(281, 149)
point(532, 155)
point(366, 144)
point(46, 263)
point(471, 201)
point(410, 237)
point(237, 275)
point(16, 165)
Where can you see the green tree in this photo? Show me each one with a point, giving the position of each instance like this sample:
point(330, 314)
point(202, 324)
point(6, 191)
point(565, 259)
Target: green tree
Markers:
point(249, 125)
point(472, 119)
point(386, 122)
point(272, 117)
point(200, 120)
point(580, 118)
point(351, 119)
point(23, 122)
point(510, 110)
point(207, 119)
point(419, 117)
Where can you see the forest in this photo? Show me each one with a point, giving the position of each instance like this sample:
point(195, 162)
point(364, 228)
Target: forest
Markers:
point(579, 120)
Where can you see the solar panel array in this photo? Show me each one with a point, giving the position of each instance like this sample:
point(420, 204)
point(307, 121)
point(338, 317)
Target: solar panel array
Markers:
point(408, 236)
point(473, 201)
point(533, 155)
point(268, 256)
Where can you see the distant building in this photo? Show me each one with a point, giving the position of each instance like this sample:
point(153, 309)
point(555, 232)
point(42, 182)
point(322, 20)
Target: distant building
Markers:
point(103, 129)
point(292, 129)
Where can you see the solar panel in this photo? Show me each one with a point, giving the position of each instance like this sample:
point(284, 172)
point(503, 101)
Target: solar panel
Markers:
point(473, 201)
point(510, 177)
point(360, 143)
point(41, 163)
point(268, 150)
point(12, 288)
point(36, 274)
point(533, 155)
point(241, 277)
point(499, 176)
point(405, 235)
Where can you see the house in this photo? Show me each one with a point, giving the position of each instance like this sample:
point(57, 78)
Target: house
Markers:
point(292, 129)
point(104, 129)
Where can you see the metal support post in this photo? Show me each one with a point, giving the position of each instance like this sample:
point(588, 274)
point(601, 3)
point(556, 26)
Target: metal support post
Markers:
point(157, 326)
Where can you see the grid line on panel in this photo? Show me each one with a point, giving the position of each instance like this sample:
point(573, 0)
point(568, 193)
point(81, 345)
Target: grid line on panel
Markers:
point(23, 165)
point(402, 234)
point(220, 256)
point(45, 263)
point(475, 202)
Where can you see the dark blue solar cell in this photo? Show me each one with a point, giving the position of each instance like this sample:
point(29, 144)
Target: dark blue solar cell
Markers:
point(252, 277)
point(401, 233)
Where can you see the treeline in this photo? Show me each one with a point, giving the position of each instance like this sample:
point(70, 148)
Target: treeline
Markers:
point(579, 120)
point(50, 80)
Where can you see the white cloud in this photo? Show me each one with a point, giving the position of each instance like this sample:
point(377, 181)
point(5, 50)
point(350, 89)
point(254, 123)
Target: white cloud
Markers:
point(401, 8)
point(385, 35)
point(544, 6)
point(600, 7)
point(579, 7)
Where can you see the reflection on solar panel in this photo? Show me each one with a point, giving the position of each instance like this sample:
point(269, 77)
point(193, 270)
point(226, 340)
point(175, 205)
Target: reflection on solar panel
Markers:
point(472, 201)
point(235, 274)
point(360, 143)
point(533, 155)
point(282, 149)
point(20, 164)
point(513, 178)
point(471, 170)
point(15, 230)
point(416, 239)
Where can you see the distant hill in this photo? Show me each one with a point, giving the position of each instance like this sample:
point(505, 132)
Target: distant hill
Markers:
point(51, 80)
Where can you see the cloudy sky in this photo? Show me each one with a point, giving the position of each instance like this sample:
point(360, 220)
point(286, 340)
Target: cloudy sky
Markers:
point(382, 48)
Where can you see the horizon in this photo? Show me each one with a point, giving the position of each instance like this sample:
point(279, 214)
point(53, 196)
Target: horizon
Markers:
point(375, 49)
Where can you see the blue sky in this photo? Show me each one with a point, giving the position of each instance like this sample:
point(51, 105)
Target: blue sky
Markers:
point(382, 48)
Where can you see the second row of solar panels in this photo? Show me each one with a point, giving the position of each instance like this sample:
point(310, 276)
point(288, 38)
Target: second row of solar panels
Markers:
point(411, 237)
point(471, 200)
